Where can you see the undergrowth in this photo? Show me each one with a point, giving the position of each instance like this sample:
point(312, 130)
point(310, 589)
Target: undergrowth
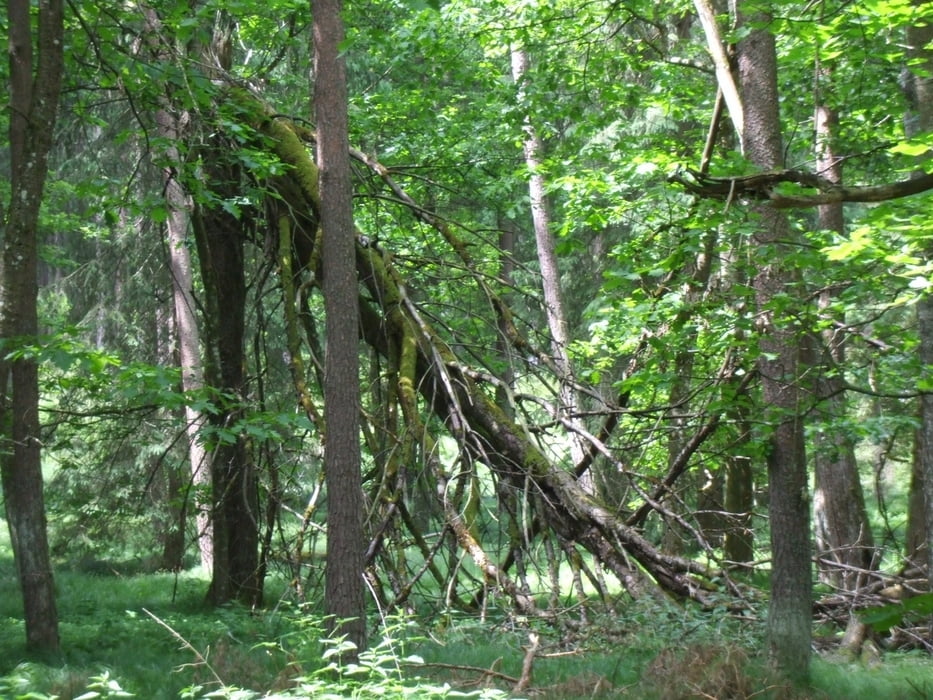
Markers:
point(150, 636)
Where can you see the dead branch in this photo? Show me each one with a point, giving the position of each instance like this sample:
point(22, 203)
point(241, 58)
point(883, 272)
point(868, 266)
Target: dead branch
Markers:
point(764, 186)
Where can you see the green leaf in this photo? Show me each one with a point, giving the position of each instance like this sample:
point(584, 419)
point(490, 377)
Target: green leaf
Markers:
point(910, 148)
point(883, 618)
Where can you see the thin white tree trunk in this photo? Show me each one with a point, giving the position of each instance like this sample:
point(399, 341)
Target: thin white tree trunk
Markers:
point(724, 77)
point(547, 260)
point(188, 335)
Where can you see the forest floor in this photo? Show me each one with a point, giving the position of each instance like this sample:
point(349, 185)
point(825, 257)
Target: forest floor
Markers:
point(151, 635)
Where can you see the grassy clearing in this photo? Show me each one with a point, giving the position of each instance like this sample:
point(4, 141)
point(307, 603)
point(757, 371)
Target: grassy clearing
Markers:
point(647, 649)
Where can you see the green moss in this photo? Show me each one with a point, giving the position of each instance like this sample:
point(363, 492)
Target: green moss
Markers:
point(294, 153)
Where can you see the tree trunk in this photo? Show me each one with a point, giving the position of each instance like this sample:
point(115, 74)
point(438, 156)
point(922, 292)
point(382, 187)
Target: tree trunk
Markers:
point(780, 366)
point(34, 94)
point(220, 234)
point(235, 514)
point(842, 532)
point(187, 332)
point(920, 121)
point(547, 263)
point(739, 544)
point(915, 544)
point(167, 478)
point(344, 586)
point(739, 541)
point(173, 127)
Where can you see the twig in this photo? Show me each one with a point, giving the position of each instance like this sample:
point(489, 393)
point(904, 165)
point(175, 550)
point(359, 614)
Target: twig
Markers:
point(528, 662)
point(187, 645)
point(471, 669)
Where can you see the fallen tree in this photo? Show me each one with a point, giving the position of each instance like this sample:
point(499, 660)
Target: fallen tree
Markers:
point(815, 190)
point(428, 376)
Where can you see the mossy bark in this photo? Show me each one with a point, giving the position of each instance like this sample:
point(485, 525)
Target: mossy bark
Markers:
point(392, 325)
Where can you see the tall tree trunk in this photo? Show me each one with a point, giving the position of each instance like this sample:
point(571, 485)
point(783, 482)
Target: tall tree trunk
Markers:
point(220, 234)
point(739, 544)
point(780, 365)
point(547, 263)
point(34, 94)
point(187, 332)
point(709, 484)
point(915, 540)
point(168, 478)
point(842, 531)
point(172, 128)
point(235, 514)
point(344, 586)
point(920, 121)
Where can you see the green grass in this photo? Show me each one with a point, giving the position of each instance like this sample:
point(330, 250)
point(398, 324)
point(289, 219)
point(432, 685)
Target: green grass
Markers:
point(646, 649)
point(901, 675)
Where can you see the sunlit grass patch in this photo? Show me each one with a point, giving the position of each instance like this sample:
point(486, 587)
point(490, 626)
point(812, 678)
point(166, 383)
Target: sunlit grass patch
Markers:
point(898, 675)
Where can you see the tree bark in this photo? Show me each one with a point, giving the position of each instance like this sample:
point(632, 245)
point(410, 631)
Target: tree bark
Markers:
point(724, 77)
point(220, 234)
point(842, 531)
point(189, 359)
point(171, 123)
point(344, 586)
point(920, 121)
point(739, 544)
point(780, 366)
point(547, 264)
point(35, 88)
point(235, 514)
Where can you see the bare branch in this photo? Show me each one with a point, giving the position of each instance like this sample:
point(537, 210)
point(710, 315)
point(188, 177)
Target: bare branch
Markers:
point(763, 186)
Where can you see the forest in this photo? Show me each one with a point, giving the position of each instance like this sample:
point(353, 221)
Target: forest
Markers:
point(466, 348)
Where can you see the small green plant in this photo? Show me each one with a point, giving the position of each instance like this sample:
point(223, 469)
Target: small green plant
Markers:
point(377, 674)
point(883, 618)
point(103, 686)
point(380, 671)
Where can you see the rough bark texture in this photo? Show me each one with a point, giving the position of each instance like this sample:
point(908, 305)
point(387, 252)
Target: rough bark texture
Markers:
point(739, 544)
point(220, 234)
point(739, 541)
point(790, 610)
point(35, 87)
point(344, 586)
point(235, 514)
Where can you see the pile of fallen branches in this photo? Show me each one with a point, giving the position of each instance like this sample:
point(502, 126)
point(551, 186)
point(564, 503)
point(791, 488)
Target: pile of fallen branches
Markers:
point(852, 610)
point(425, 374)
